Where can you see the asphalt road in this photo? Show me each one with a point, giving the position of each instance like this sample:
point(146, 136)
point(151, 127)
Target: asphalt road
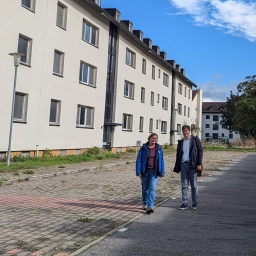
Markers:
point(223, 224)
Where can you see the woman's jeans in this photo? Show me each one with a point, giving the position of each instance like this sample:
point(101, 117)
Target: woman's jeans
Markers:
point(148, 183)
point(189, 175)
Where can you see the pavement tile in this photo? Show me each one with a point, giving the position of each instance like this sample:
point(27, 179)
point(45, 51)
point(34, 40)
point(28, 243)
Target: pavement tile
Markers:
point(81, 203)
point(14, 251)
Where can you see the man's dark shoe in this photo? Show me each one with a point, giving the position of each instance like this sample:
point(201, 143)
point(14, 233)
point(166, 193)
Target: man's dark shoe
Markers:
point(183, 207)
point(149, 210)
point(194, 206)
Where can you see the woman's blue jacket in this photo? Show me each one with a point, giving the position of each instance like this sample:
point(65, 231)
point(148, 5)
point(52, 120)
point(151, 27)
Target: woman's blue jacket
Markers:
point(143, 156)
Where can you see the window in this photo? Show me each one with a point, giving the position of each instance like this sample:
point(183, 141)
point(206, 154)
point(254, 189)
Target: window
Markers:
point(185, 110)
point(141, 123)
point(165, 103)
point(142, 95)
point(215, 118)
point(165, 79)
point(61, 15)
point(215, 136)
point(87, 74)
point(157, 122)
point(152, 99)
point(207, 125)
point(185, 92)
point(90, 33)
point(150, 125)
point(128, 89)
point(189, 93)
point(58, 63)
point(180, 88)
point(158, 98)
point(178, 128)
point(153, 72)
point(163, 127)
point(230, 136)
point(207, 117)
point(25, 47)
point(188, 111)
point(29, 4)
point(54, 112)
point(179, 109)
point(215, 127)
point(20, 107)
point(85, 116)
point(207, 135)
point(130, 58)
point(159, 73)
point(144, 66)
point(127, 122)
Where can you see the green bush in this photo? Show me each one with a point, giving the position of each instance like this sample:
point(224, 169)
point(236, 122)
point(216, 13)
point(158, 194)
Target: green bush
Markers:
point(93, 151)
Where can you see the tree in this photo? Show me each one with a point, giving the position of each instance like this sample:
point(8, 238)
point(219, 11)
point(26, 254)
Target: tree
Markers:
point(239, 113)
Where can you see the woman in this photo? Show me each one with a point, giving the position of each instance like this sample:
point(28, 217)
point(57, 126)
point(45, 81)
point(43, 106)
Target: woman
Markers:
point(150, 166)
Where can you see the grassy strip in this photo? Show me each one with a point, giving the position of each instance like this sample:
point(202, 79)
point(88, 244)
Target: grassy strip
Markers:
point(19, 162)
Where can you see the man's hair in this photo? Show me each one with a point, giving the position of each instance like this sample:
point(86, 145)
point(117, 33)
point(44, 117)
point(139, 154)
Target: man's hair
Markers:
point(185, 127)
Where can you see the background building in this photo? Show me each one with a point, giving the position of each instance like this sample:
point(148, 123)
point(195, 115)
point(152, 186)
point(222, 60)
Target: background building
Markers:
point(86, 79)
point(211, 123)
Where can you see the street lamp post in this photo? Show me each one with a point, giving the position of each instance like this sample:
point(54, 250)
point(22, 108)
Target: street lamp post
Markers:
point(16, 57)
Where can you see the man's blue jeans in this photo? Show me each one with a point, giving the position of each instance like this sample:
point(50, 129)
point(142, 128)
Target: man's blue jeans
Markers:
point(189, 176)
point(148, 183)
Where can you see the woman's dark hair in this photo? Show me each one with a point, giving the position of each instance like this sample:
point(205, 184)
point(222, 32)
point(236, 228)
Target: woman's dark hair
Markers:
point(185, 127)
point(151, 135)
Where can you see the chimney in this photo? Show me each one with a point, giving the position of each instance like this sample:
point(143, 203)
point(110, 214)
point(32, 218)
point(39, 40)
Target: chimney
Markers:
point(139, 34)
point(182, 70)
point(178, 67)
point(172, 62)
point(148, 42)
point(114, 13)
point(156, 49)
point(128, 24)
point(163, 55)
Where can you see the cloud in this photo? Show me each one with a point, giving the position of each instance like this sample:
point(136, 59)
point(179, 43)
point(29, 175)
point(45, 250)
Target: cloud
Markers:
point(216, 91)
point(235, 17)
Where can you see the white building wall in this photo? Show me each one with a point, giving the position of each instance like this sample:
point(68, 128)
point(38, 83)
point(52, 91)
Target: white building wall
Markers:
point(135, 107)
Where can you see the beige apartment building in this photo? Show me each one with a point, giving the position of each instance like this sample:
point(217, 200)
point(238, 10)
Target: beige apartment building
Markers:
point(86, 79)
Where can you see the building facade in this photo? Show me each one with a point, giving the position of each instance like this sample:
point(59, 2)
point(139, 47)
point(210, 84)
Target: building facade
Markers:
point(86, 79)
point(213, 130)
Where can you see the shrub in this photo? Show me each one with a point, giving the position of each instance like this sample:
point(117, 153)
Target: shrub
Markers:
point(93, 151)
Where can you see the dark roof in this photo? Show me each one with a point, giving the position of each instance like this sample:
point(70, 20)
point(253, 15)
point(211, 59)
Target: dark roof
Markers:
point(213, 107)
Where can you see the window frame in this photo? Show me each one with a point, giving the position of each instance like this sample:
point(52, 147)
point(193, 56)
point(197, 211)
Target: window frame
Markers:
point(165, 79)
point(178, 129)
point(141, 124)
point(32, 4)
point(152, 98)
point(151, 125)
point(23, 107)
point(142, 94)
point(127, 122)
point(179, 109)
point(60, 64)
point(130, 58)
point(163, 127)
point(56, 122)
point(26, 59)
point(129, 89)
point(144, 66)
point(63, 17)
point(79, 115)
point(164, 103)
point(89, 74)
point(180, 88)
point(92, 41)
point(153, 72)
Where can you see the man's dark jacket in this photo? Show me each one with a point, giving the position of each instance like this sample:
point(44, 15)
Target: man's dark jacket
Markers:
point(195, 153)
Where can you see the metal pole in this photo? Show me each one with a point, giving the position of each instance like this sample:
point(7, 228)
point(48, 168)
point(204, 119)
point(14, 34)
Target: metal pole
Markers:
point(11, 123)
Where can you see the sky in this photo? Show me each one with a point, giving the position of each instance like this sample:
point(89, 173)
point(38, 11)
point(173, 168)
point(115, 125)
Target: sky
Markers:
point(213, 40)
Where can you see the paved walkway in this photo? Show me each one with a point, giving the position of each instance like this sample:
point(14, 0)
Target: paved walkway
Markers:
point(62, 211)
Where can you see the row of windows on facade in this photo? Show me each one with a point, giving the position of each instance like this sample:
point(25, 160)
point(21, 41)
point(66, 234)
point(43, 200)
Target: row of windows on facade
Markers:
point(215, 126)
point(214, 117)
point(85, 115)
point(216, 136)
point(90, 34)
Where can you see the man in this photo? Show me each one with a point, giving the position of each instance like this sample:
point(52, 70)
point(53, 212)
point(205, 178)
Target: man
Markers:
point(189, 159)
